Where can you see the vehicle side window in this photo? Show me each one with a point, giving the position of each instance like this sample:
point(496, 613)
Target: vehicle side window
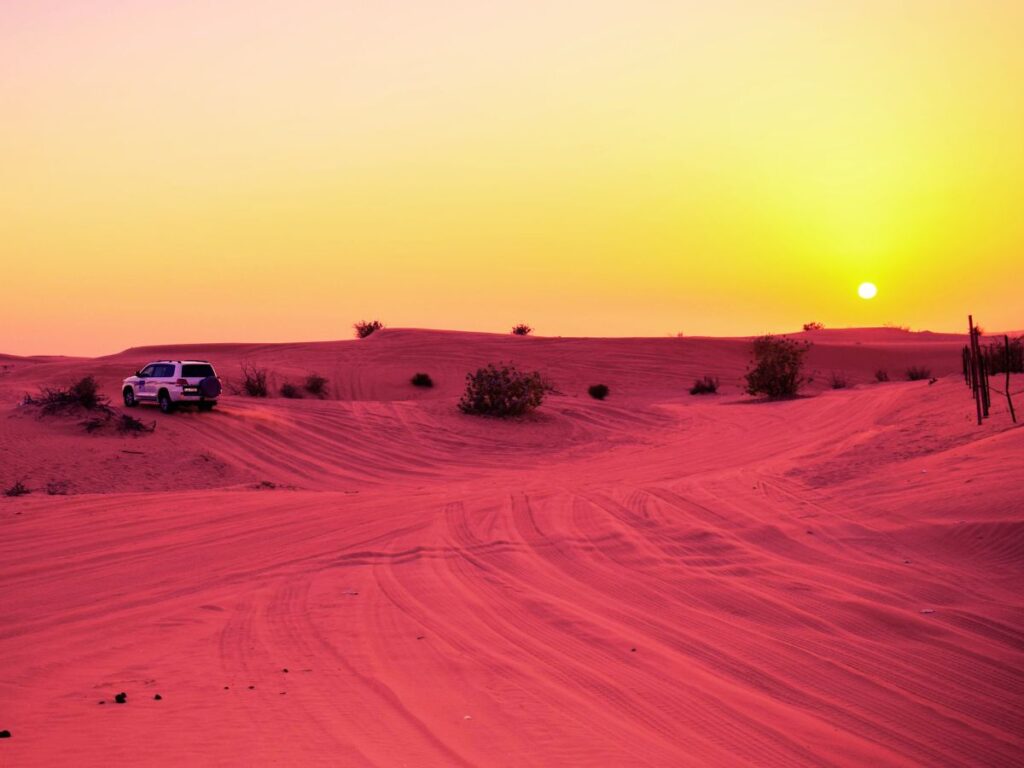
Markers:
point(148, 371)
point(164, 371)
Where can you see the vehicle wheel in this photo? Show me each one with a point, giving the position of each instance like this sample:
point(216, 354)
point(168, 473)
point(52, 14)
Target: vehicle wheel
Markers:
point(165, 402)
point(206, 406)
point(129, 398)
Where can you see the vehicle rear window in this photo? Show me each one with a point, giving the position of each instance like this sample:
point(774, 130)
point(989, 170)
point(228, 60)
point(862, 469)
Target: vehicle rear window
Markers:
point(194, 370)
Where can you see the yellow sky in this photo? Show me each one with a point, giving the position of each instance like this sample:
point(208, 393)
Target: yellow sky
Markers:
point(195, 171)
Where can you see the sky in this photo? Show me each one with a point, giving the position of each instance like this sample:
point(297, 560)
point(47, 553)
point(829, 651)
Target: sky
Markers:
point(274, 171)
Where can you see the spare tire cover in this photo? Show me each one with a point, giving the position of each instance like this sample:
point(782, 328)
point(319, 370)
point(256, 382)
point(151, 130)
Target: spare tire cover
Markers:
point(209, 387)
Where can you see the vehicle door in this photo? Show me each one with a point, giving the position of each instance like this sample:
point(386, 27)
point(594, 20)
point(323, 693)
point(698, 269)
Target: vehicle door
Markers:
point(144, 389)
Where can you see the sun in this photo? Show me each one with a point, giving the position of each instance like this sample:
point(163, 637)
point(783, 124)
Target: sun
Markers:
point(867, 290)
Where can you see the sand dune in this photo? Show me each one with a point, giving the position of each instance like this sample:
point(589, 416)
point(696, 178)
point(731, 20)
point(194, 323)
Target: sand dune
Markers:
point(652, 580)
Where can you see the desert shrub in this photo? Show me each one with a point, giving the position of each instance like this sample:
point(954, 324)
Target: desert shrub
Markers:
point(707, 385)
point(814, 326)
point(422, 380)
point(129, 425)
point(881, 375)
point(291, 391)
point(503, 391)
point(778, 366)
point(838, 380)
point(57, 488)
point(366, 327)
point(315, 385)
point(996, 360)
point(254, 381)
point(598, 391)
point(522, 329)
point(84, 393)
point(918, 372)
point(18, 489)
point(95, 424)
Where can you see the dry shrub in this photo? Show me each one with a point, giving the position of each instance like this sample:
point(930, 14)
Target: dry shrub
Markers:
point(522, 329)
point(58, 488)
point(838, 380)
point(778, 365)
point(83, 394)
point(708, 385)
point(291, 391)
point(18, 489)
point(918, 373)
point(814, 326)
point(129, 425)
point(881, 375)
point(365, 328)
point(598, 391)
point(422, 380)
point(254, 381)
point(502, 391)
point(316, 385)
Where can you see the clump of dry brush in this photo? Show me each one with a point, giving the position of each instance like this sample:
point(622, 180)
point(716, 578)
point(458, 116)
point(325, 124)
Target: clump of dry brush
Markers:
point(84, 398)
point(366, 328)
point(777, 370)
point(502, 391)
point(707, 385)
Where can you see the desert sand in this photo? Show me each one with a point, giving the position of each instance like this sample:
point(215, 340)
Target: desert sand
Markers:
point(652, 580)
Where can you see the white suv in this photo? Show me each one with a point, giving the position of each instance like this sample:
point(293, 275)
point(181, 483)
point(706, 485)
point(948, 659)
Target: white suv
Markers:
point(169, 383)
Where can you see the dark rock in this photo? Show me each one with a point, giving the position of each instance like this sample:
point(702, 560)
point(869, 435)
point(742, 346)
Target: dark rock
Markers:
point(121, 698)
point(5, 734)
point(158, 697)
point(252, 687)
point(285, 669)
point(632, 650)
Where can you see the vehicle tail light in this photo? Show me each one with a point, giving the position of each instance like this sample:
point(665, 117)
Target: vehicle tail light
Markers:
point(182, 382)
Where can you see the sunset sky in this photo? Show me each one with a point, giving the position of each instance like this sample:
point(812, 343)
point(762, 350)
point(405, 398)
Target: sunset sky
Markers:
point(273, 171)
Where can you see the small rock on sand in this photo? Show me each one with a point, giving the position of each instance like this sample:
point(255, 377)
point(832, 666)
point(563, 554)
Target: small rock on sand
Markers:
point(121, 698)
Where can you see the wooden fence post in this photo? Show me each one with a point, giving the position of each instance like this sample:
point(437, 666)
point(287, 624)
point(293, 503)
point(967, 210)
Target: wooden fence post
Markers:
point(1006, 388)
point(975, 373)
